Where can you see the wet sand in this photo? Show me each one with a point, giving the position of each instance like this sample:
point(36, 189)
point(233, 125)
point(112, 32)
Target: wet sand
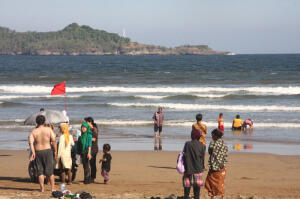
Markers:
point(143, 174)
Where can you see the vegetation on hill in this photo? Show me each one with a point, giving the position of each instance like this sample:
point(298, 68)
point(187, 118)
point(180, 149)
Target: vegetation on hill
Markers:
point(83, 40)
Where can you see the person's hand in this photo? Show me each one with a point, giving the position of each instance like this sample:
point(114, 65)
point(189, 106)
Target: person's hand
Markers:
point(89, 156)
point(32, 157)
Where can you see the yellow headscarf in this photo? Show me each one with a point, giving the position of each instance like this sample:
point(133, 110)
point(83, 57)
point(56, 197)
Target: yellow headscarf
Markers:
point(65, 131)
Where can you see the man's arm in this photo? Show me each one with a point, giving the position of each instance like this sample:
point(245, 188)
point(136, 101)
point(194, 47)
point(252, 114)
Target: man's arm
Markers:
point(31, 141)
point(53, 142)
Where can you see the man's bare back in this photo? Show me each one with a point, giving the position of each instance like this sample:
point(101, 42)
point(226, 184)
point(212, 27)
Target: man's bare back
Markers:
point(42, 137)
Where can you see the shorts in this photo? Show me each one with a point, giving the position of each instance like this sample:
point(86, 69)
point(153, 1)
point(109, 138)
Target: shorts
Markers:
point(189, 180)
point(44, 162)
point(156, 128)
point(237, 128)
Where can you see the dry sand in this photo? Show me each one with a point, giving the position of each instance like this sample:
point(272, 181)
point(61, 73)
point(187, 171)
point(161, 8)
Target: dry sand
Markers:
point(146, 174)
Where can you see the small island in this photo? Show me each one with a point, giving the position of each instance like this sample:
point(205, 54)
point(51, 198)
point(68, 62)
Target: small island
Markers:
point(84, 40)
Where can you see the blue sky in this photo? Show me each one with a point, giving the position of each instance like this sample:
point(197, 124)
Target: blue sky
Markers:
point(240, 26)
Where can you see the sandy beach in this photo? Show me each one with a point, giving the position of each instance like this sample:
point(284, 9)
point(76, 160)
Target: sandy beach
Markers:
point(146, 174)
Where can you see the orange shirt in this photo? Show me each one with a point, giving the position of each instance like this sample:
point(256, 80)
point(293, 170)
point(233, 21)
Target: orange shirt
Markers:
point(202, 128)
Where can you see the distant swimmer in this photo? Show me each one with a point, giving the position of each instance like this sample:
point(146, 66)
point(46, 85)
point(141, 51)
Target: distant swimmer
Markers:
point(237, 123)
point(221, 122)
point(248, 122)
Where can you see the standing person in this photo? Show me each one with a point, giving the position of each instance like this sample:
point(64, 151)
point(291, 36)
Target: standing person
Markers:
point(194, 151)
point(106, 161)
point(203, 130)
point(94, 129)
point(85, 145)
point(40, 140)
point(221, 122)
point(64, 153)
point(215, 179)
point(237, 123)
point(158, 119)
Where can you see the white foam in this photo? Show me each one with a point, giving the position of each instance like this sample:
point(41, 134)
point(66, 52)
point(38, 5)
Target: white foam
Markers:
point(259, 90)
point(178, 106)
point(8, 97)
point(154, 97)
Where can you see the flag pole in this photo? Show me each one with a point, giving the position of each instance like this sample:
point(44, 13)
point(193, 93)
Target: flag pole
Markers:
point(65, 101)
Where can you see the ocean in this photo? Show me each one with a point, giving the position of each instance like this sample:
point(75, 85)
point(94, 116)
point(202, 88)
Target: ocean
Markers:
point(122, 93)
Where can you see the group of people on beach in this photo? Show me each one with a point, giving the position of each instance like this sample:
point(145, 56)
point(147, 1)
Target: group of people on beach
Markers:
point(44, 151)
point(194, 166)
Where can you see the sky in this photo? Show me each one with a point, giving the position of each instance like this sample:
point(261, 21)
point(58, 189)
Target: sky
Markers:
point(239, 26)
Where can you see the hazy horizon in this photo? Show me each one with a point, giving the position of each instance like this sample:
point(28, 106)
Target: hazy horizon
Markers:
point(247, 27)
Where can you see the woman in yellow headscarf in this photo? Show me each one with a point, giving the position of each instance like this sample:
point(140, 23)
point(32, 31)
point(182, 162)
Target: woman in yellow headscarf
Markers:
point(64, 153)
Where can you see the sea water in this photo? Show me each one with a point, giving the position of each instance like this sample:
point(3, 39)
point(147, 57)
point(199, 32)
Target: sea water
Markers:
point(122, 92)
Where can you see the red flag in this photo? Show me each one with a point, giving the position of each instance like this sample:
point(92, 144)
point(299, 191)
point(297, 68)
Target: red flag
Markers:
point(59, 89)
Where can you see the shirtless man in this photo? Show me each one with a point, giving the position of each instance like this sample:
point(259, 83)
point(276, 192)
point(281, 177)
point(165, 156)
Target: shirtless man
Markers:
point(40, 140)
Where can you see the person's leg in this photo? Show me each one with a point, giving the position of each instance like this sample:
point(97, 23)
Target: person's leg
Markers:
point(41, 181)
point(155, 130)
point(86, 168)
point(196, 192)
point(186, 192)
point(52, 183)
point(69, 176)
point(93, 167)
point(160, 130)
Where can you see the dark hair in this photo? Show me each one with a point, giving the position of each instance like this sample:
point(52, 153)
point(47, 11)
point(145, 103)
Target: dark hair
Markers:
point(106, 147)
point(40, 120)
point(217, 133)
point(199, 117)
point(91, 120)
point(42, 109)
point(221, 114)
point(237, 116)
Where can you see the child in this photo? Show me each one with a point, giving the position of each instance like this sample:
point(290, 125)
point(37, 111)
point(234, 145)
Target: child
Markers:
point(221, 122)
point(106, 160)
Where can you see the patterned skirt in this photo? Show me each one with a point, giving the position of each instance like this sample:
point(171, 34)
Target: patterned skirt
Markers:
point(214, 182)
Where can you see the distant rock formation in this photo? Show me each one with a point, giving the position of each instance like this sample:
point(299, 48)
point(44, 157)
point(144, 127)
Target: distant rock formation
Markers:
point(84, 40)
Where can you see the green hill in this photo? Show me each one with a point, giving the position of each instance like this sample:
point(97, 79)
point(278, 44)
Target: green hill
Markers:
point(83, 40)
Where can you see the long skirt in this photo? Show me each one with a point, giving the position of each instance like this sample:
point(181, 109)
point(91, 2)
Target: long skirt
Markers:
point(214, 182)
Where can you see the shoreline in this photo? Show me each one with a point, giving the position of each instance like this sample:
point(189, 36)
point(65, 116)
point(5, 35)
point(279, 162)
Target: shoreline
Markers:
point(146, 174)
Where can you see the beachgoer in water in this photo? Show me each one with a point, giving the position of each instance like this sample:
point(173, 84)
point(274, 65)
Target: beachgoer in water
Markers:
point(248, 122)
point(203, 130)
point(237, 123)
point(215, 179)
point(94, 149)
point(40, 140)
point(158, 119)
point(221, 122)
point(194, 151)
point(85, 150)
point(64, 153)
point(106, 163)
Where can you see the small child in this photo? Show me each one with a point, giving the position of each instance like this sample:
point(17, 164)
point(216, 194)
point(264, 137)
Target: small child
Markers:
point(221, 122)
point(106, 160)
